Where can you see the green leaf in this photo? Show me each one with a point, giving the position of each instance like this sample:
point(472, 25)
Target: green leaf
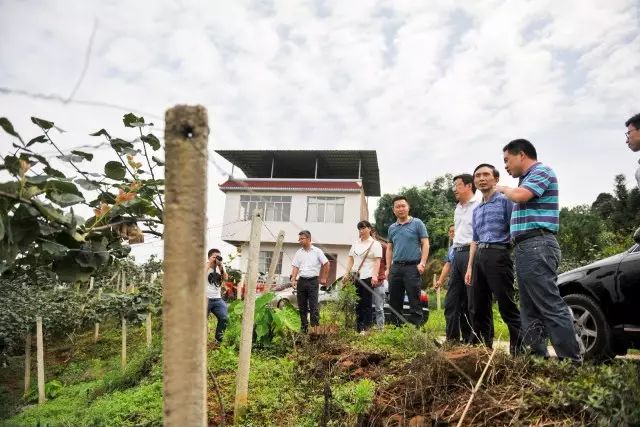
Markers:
point(130, 120)
point(37, 179)
point(41, 138)
point(53, 172)
point(12, 164)
point(71, 158)
point(44, 124)
point(157, 160)
point(54, 248)
point(114, 170)
point(65, 199)
point(152, 141)
point(87, 184)
point(101, 132)
point(86, 156)
point(120, 145)
point(8, 127)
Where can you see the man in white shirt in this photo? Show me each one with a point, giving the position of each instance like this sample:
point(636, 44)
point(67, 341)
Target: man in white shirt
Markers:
point(456, 303)
point(310, 267)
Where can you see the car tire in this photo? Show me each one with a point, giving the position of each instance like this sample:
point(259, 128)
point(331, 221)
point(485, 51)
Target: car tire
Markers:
point(592, 330)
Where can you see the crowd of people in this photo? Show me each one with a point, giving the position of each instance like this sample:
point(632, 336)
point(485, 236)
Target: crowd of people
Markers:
point(506, 225)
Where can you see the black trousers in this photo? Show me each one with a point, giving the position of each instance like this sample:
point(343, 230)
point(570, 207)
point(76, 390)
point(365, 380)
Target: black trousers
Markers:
point(456, 303)
point(493, 276)
point(405, 278)
point(364, 308)
point(307, 295)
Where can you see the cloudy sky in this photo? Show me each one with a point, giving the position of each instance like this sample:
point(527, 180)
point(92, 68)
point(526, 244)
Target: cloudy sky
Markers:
point(433, 86)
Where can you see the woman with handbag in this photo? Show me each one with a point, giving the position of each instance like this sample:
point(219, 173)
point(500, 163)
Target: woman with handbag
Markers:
point(363, 264)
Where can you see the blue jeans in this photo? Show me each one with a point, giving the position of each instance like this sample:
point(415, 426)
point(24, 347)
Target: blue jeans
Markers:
point(218, 307)
point(542, 310)
point(378, 305)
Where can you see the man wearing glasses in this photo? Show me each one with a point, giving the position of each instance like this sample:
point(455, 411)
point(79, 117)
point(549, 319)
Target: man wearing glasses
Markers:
point(309, 264)
point(633, 138)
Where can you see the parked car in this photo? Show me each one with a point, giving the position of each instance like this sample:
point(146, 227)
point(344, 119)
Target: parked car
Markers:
point(604, 298)
point(330, 293)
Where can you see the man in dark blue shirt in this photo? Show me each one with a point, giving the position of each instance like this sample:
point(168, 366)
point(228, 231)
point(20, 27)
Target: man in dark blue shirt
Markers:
point(490, 269)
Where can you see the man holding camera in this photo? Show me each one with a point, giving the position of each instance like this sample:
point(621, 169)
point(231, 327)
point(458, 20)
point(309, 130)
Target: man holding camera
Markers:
point(215, 303)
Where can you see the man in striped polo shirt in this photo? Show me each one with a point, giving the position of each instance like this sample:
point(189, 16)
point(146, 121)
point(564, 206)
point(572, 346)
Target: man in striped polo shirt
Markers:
point(490, 268)
point(534, 224)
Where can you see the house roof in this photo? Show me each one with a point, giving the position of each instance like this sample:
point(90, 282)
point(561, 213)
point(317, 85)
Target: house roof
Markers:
point(301, 164)
point(291, 185)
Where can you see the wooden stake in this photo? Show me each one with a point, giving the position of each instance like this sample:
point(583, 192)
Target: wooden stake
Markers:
point(184, 303)
point(40, 349)
point(437, 292)
point(123, 358)
point(246, 336)
point(476, 388)
point(27, 362)
point(276, 257)
point(148, 325)
point(96, 332)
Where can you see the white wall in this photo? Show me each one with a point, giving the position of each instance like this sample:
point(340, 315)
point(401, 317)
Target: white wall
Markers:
point(289, 251)
point(322, 233)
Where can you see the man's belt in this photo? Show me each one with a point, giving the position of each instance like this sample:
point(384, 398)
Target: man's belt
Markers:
point(501, 246)
point(464, 248)
point(532, 233)
point(414, 262)
point(308, 278)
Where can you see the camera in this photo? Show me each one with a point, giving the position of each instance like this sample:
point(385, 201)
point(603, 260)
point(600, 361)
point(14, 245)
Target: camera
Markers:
point(218, 257)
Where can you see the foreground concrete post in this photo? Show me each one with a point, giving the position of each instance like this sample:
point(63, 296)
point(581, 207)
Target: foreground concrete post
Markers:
point(184, 306)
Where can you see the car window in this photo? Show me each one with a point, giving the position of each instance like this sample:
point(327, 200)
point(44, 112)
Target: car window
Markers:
point(634, 249)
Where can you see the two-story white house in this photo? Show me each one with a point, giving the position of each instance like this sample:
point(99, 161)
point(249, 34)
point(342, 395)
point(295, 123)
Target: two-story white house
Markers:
point(322, 191)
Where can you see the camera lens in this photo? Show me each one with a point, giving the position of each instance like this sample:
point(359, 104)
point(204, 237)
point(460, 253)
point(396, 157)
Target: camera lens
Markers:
point(219, 258)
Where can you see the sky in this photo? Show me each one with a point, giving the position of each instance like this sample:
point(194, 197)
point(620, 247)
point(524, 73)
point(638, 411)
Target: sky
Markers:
point(434, 87)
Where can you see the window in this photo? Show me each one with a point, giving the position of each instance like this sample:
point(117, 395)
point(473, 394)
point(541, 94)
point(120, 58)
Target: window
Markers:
point(274, 208)
point(264, 262)
point(325, 209)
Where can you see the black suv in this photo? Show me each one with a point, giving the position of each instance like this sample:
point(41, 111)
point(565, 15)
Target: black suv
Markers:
point(604, 297)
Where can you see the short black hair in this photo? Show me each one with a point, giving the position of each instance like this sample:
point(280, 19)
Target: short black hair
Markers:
point(364, 223)
point(305, 233)
point(466, 180)
point(496, 174)
point(213, 251)
point(634, 120)
point(397, 198)
point(518, 146)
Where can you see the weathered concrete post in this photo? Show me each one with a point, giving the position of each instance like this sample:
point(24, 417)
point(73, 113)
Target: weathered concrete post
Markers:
point(184, 307)
point(276, 257)
point(27, 362)
point(246, 336)
point(40, 359)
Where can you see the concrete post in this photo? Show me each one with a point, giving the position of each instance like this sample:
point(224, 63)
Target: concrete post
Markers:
point(246, 336)
point(184, 306)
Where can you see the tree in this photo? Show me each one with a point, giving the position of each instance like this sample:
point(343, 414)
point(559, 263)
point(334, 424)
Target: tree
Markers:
point(38, 223)
point(433, 203)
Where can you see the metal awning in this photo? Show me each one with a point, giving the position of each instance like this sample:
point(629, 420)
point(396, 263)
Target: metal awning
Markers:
point(306, 164)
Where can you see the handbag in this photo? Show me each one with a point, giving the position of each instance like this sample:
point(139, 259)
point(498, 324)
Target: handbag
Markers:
point(355, 275)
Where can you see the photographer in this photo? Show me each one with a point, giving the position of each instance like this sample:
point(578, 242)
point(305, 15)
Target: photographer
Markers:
point(215, 303)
